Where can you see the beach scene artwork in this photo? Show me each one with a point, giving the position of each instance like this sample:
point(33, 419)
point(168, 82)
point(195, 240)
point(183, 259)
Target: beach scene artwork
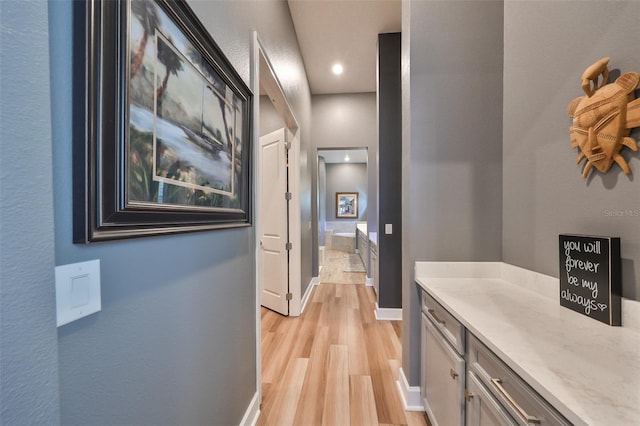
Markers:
point(185, 123)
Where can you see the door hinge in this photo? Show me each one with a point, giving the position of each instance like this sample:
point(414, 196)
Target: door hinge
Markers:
point(288, 246)
point(287, 145)
point(288, 196)
point(468, 395)
point(289, 296)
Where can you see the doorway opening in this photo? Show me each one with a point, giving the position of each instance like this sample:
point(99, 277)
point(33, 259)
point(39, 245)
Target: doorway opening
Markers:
point(272, 111)
point(343, 194)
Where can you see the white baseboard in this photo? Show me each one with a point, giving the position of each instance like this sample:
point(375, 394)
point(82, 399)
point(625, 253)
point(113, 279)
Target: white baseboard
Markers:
point(410, 395)
point(250, 417)
point(388, 314)
point(369, 282)
point(307, 294)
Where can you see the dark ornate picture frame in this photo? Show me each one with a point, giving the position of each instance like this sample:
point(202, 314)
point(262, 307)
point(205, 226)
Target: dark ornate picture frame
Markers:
point(162, 124)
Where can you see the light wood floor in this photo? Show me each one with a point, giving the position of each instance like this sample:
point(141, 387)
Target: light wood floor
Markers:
point(334, 365)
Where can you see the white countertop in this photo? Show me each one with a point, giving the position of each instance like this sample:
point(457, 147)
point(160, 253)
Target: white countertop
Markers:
point(586, 369)
point(362, 227)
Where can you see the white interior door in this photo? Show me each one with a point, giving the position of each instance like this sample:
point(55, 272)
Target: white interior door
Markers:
point(274, 267)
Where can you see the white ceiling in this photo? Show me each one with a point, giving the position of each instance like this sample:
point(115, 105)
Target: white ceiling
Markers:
point(332, 156)
point(344, 31)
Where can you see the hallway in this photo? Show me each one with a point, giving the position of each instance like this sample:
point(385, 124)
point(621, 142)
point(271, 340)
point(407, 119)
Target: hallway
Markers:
point(335, 364)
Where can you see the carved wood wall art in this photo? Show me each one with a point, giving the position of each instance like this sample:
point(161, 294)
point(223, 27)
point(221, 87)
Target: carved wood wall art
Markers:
point(603, 119)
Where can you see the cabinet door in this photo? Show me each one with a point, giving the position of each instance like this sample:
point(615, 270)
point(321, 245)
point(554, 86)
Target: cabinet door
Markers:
point(482, 407)
point(423, 359)
point(445, 371)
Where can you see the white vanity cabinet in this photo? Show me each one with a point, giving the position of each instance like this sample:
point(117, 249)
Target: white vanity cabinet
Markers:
point(363, 246)
point(443, 365)
point(373, 264)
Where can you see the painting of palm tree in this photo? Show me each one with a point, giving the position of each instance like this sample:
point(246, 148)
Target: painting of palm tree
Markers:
point(146, 13)
point(162, 135)
point(184, 120)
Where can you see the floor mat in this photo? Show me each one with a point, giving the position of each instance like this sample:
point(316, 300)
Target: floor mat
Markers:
point(353, 263)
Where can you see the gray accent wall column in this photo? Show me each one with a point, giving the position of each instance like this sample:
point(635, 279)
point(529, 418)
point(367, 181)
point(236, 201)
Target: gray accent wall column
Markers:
point(389, 171)
point(452, 143)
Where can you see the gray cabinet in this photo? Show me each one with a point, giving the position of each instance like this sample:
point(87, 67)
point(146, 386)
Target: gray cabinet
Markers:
point(464, 383)
point(482, 407)
point(510, 391)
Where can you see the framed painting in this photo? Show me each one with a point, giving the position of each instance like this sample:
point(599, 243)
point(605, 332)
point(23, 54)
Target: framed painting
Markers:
point(162, 122)
point(346, 205)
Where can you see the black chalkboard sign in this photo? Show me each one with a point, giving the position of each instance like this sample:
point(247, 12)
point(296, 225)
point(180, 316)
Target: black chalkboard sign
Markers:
point(590, 277)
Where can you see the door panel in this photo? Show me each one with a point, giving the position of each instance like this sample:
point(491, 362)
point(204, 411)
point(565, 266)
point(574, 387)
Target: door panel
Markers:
point(445, 371)
point(274, 279)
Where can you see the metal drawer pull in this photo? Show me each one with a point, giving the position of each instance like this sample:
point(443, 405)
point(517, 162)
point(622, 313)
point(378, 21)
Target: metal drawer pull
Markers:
point(433, 314)
point(453, 374)
point(529, 419)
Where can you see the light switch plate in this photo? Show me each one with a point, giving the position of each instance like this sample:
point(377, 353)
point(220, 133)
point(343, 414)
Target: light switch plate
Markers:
point(388, 228)
point(77, 291)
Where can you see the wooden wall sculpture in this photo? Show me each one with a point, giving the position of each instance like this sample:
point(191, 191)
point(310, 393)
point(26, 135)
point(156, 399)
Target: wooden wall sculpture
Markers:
point(603, 119)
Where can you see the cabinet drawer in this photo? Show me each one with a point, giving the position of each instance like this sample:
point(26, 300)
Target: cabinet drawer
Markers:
point(450, 327)
point(524, 404)
point(482, 407)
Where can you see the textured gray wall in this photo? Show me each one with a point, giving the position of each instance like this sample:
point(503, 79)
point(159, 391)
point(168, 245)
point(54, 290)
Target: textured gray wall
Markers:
point(389, 171)
point(452, 143)
point(344, 121)
point(175, 340)
point(270, 120)
point(346, 177)
point(28, 339)
point(544, 193)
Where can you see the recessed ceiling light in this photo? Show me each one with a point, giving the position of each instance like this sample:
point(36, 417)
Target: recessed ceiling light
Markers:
point(337, 69)
point(346, 158)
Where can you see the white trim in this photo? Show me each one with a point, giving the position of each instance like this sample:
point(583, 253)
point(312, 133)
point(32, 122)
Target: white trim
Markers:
point(369, 282)
point(410, 395)
point(250, 417)
point(388, 314)
point(307, 294)
point(295, 231)
point(255, 86)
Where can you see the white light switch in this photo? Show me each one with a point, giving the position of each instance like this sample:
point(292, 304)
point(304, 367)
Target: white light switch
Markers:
point(77, 291)
point(388, 228)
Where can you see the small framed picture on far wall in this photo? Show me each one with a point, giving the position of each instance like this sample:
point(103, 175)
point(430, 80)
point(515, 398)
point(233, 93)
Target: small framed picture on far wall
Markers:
point(346, 205)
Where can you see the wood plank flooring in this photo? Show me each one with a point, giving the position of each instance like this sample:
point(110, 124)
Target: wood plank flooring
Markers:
point(335, 364)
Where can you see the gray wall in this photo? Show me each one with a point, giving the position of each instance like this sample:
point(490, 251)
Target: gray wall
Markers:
point(544, 192)
point(344, 121)
point(346, 177)
point(175, 340)
point(452, 143)
point(28, 339)
point(389, 171)
point(270, 120)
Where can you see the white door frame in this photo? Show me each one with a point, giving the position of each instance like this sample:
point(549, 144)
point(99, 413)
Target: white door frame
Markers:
point(263, 73)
